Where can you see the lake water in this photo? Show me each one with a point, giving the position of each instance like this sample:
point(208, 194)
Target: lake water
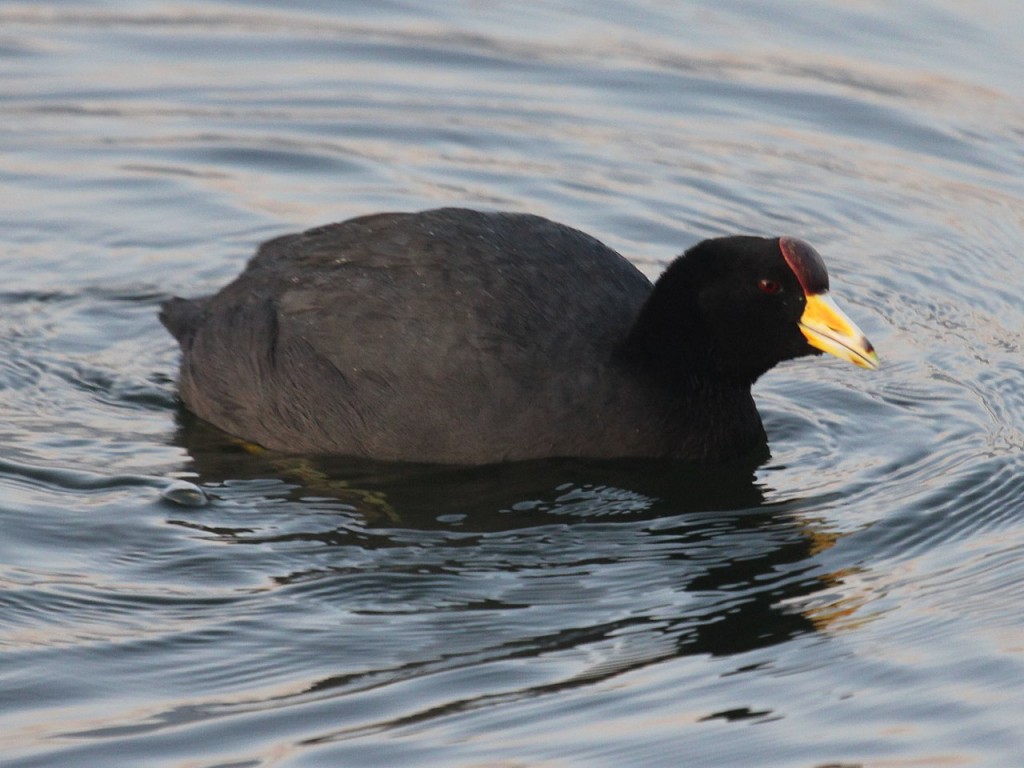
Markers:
point(856, 600)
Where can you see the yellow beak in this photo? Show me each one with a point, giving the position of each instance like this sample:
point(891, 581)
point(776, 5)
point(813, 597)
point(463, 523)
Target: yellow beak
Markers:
point(825, 327)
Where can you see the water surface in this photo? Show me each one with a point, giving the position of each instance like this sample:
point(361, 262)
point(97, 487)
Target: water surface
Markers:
point(853, 600)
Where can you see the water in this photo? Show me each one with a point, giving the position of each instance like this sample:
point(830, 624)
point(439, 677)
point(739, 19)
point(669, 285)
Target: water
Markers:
point(855, 600)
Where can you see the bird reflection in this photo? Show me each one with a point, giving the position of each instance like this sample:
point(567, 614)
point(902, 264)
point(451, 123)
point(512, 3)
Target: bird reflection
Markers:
point(743, 567)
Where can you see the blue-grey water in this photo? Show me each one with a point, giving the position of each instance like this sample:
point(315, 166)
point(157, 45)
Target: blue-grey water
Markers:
point(856, 600)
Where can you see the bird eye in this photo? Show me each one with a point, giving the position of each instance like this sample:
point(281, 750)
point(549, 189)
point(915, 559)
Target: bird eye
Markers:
point(769, 286)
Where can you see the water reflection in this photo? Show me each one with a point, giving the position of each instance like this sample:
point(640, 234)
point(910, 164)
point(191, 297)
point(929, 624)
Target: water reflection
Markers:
point(692, 560)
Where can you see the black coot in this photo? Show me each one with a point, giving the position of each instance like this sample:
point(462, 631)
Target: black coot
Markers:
point(465, 337)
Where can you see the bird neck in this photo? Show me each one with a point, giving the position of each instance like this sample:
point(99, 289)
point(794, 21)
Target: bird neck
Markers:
point(692, 415)
point(670, 337)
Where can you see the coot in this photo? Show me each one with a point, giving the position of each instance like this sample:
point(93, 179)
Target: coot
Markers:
point(458, 336)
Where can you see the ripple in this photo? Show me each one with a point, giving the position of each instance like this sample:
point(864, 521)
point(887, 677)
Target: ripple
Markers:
point(864, 583)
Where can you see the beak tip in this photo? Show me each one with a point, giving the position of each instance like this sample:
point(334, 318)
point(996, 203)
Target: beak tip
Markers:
point(869, 360)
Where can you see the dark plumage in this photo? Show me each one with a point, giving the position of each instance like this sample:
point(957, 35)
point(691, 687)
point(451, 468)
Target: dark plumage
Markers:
point(465, 337)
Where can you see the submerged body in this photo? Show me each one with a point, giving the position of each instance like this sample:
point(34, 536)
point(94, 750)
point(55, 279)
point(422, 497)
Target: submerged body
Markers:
point(464, 337)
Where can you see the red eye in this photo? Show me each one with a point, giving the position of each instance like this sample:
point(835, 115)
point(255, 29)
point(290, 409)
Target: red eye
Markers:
point(769, 286)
